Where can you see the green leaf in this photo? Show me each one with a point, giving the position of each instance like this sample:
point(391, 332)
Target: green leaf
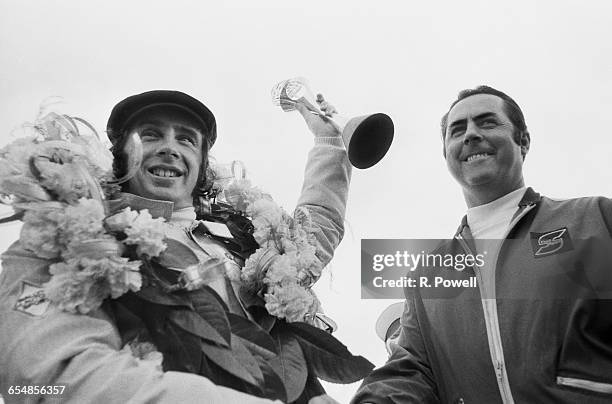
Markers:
point(329, 358)
point(312, 389)
point(250, 298)
point(252, 332)
point(261, 316)
point(273, 386)
point(155, 295)
point(226, 360)
point(195, 324)
point(177, 255)
point(208, 305)
point(256, 350)
point(247, 360)
point(128, 323)
point(180, 349)
point(290, 364)
point(207, 289)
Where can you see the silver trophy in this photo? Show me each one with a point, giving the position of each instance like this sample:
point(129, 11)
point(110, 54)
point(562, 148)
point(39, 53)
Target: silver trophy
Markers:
point(367, 138)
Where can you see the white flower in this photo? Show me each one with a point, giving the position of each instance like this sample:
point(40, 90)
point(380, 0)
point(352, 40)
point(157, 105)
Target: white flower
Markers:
point(40, 232)
point(17, 153)
point(281, 269)
point(266, 213)
point(122, 275)
point(289, 301)
point(251, 274)
point(122, 220)
point(76, 292)
point(81, 284)
point(147, 234)
point(82, 221)
point(262, 233)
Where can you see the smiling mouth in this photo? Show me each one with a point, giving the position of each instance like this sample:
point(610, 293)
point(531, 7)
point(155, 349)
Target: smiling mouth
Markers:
point(164, 172)
point(477, 156)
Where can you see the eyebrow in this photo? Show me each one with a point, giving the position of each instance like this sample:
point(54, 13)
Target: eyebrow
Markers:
point(476, 118)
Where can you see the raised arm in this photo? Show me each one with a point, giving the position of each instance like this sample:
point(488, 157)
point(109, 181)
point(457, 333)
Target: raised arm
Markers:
point(326, 181)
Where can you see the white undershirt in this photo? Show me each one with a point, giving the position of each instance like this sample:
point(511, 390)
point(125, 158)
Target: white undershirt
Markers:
point(491, 220)
point(488, 224)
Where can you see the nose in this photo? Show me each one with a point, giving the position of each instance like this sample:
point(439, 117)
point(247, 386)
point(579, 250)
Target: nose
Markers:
point(168, 148)
point(472, 134)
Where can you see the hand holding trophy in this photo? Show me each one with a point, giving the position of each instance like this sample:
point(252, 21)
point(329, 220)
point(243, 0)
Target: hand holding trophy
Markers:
point(367, 138)
point(320, 124)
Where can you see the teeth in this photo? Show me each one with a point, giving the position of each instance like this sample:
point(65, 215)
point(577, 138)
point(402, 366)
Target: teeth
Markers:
point(160, 172)
point(475, 156)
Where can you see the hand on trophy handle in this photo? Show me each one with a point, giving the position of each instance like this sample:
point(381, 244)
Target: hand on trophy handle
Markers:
point(320, 124)
point(328, 109)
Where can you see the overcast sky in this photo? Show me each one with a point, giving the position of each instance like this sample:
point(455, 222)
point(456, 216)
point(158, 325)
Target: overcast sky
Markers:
point(553, 57)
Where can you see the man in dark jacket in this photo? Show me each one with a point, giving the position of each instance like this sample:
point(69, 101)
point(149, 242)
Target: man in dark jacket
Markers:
point(538, 328)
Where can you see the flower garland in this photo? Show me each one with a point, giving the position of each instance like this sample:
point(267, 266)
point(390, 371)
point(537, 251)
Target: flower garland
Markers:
point(51, 178)
point(285, 266)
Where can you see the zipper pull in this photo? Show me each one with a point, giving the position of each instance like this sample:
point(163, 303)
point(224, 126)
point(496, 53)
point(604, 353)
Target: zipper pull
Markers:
point(499, 370)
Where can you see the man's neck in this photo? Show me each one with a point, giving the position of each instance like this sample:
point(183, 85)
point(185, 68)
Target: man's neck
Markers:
point(476, 197)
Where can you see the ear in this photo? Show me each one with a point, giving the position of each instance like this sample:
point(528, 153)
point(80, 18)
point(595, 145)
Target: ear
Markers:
point(443, 147)
point(524, 143)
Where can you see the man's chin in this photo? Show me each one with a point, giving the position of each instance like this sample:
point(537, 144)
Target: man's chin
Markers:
point(480, 180)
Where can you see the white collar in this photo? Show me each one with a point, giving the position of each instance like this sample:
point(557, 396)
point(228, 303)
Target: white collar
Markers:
point(491, 219)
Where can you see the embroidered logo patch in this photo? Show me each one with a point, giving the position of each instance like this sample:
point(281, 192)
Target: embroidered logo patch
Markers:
point(32, 300)
point(552, 242)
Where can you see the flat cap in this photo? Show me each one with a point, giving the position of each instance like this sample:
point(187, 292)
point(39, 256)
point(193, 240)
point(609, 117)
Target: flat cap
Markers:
point(126, 110)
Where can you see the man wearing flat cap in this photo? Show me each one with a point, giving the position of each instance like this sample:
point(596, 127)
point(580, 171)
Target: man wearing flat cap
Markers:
point(44, 345)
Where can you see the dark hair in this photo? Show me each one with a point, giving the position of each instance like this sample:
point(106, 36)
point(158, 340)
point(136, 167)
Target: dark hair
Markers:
point(511, 109)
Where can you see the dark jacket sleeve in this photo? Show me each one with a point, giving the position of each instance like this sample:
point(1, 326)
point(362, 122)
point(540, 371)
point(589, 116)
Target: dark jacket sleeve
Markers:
point(407, 375)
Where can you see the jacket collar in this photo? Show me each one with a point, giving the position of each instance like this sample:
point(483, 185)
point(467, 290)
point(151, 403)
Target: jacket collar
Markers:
point(530, 197)
point(157, 208)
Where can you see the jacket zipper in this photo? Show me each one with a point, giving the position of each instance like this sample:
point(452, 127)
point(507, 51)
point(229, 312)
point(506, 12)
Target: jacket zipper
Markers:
point(599, 387)
point(492, 321)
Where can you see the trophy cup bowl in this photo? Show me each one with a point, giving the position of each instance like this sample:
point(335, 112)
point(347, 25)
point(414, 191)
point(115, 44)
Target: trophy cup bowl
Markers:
point(367, 138)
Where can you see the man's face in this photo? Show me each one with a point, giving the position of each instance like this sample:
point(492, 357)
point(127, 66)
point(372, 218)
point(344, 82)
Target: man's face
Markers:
point(172, 156)
point(480, 149)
